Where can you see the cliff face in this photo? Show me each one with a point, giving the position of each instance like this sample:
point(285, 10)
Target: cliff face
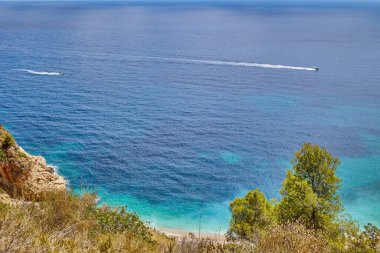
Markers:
point(23, 175)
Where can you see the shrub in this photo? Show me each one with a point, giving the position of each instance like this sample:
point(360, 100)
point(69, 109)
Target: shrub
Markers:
point(3, 156)
point(8, 141)
point(373, 235)
point(117, 220)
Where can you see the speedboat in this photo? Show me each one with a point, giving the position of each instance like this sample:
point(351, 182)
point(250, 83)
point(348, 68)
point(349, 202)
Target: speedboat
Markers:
point(315, 68)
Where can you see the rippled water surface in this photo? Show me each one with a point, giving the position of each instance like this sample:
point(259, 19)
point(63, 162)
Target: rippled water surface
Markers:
point(153, 112)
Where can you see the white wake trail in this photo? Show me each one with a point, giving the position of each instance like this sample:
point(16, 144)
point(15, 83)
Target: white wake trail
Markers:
point(226, 63)
point(41, 72)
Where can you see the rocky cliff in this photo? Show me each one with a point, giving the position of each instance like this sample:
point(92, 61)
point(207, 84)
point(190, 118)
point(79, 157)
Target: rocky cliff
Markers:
point(23, 176)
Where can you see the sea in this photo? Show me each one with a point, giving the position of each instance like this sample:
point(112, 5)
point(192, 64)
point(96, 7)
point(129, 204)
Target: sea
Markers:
point(175, 110)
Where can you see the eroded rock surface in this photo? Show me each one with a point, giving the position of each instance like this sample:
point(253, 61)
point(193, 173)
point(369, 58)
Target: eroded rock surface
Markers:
point(23, 175)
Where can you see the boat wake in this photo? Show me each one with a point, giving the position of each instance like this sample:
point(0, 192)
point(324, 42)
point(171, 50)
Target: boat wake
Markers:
point(226, 63)
point(42, 72)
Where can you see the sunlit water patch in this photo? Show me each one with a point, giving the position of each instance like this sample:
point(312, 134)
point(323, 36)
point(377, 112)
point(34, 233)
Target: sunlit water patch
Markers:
point(230, 158)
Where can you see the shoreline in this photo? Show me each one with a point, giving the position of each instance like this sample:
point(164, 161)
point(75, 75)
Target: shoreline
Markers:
point(181, 233)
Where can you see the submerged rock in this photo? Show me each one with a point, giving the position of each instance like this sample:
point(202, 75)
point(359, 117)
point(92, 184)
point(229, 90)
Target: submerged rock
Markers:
point(23, 175)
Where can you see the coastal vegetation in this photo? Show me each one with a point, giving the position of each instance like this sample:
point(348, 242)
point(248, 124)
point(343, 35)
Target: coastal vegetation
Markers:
point(309, 216)
point(67, 223)
point(8, 141)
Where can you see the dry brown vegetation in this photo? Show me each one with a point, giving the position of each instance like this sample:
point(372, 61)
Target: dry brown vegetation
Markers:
point(68, 223)
point(292, 238)
point(286, 238)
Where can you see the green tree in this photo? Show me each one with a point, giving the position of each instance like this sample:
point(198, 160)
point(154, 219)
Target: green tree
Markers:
point(310, 188)
point(317, 166)
point(298, 202)
point(250, 214)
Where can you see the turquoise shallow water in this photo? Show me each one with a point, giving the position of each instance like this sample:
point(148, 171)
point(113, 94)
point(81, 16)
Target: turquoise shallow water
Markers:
point(360, 187)
point(176, 140)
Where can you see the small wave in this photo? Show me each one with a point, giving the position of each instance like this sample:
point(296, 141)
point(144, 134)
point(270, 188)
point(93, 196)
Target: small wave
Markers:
point(227, 63)
point(42, 72)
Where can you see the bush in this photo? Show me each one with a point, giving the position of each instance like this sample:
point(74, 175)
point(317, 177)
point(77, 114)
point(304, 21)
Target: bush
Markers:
point(372, 233)
point(8, 141)
point(117, 220)
point(3, 156)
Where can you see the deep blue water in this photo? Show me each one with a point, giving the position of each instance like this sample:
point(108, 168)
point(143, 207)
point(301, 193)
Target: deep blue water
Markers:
point(176, 139)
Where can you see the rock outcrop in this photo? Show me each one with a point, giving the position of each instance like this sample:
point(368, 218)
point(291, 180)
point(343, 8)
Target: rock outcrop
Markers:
point(25, 176)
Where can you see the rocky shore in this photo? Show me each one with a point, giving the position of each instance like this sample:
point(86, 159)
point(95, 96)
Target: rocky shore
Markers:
point(24, 176)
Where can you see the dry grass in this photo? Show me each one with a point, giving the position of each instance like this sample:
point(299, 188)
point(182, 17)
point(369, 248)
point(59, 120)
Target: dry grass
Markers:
point(291, 238)
point(68, 223)
point(287, 238)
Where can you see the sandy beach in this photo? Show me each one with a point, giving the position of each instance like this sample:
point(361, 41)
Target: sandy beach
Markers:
point(179, 233)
